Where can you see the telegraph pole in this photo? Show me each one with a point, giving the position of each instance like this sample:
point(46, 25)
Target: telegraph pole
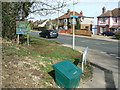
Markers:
point(73, 28)
point(58, 19)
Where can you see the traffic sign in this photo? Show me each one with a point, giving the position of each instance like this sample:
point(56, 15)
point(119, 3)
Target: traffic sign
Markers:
point(74, 16)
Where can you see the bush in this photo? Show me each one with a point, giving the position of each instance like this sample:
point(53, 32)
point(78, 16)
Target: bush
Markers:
point(117, 35)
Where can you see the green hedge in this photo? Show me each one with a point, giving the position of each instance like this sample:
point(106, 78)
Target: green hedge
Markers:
point(39, 28)
point(117, 35)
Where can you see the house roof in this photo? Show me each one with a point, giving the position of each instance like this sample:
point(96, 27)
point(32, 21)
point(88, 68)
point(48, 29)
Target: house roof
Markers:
point(67, 15)
point(114, 12)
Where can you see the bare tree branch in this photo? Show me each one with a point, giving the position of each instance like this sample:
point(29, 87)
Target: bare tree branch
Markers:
point(47, 7)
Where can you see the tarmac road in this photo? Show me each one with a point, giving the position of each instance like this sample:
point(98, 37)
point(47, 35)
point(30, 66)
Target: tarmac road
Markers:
point(102, 55)
point(103, 46)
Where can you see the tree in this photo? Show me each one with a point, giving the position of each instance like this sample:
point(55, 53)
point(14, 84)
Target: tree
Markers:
point(10, 14)
point(13, 11)
point(77, 24)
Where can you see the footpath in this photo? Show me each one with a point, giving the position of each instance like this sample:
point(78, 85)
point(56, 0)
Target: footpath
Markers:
point(105, 67)
point(99, 37)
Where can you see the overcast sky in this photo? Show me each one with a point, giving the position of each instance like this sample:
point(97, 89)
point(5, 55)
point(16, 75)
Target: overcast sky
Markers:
point(90, 8)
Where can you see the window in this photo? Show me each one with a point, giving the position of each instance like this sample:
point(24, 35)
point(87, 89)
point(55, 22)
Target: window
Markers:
point(87, 27)
point(103, 20)
point(115, 19)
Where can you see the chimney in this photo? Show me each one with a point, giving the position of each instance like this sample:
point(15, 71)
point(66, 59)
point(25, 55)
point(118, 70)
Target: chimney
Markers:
point(81, 13)
point(68, 11)
point(103, 10)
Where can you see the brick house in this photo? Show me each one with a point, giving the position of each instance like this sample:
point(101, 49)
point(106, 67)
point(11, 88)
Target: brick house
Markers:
point(65, 21)
point(109, 20)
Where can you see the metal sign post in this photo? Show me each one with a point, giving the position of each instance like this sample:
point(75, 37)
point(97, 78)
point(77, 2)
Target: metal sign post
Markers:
point(73, 35)
point(73, 28)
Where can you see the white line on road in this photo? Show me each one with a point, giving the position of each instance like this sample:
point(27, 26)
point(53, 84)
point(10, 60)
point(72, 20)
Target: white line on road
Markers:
point(103, 52)
point(113, 54)
point(117, 57)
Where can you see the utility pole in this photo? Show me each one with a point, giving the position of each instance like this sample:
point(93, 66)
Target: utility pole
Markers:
point(73, 28)
point(58, 19)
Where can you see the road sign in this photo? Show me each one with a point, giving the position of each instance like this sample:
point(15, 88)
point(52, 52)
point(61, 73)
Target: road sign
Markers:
point(74, 16)
point(22, 27)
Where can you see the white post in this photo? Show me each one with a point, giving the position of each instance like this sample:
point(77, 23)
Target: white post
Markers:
point(18, 38)
point(28, 39)
point(84, 58)
point(73, 28)
point(82, 66)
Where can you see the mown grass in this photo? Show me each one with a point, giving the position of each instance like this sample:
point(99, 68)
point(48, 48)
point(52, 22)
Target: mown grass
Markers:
point(44, 53)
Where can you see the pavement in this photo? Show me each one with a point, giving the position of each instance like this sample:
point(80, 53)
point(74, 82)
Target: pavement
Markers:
point(99, 37)
point(105, 67)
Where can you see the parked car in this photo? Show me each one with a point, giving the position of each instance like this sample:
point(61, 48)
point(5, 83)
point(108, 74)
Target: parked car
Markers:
point(47, 33)
point(108, 33)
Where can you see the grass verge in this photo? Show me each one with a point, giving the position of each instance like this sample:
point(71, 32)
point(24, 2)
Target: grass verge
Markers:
point(43, 54)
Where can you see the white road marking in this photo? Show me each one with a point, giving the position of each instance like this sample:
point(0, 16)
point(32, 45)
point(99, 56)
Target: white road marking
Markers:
point(117, 57)
point(113, 54)
point(103, 52)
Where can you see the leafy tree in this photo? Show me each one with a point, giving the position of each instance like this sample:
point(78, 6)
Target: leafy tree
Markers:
point(10, 14)
point(13, 11)
point(78, 24)
point(117, 34)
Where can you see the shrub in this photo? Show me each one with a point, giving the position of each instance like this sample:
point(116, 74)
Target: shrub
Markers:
point(117, 35)
point(39, 28)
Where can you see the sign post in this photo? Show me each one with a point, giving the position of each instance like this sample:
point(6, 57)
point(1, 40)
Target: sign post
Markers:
point(18, 38)
point(28, 39)
point(73, 28)
point(23, 27)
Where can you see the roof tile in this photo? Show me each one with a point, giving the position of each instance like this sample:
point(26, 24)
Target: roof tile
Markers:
point(67, 15)
point(114, 12)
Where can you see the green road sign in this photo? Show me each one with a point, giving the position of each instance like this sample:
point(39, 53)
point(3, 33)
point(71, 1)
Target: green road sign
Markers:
point(22, 27)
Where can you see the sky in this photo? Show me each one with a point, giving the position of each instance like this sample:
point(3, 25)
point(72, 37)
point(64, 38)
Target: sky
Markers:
point(90, 8)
